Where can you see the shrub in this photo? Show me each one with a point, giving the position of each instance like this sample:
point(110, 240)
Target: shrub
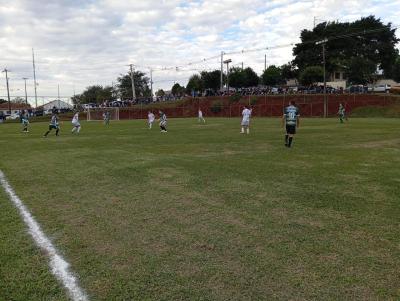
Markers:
point(216, 106)
point(234, 98)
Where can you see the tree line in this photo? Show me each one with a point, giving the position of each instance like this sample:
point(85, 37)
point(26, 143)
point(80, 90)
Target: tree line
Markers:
point(363, 50)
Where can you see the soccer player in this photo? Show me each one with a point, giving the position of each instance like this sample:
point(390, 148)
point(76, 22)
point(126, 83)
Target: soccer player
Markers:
point(76, 125)
point(291, 119)
point(163, 121)
point(201, 118)
point(150, 119)
point(24, 121)
point(246, 113)
point(342, 113)
point(106, 117)
point(53, 125)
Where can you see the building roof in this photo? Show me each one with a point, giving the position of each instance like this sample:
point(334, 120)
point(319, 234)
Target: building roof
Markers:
point(15, 106)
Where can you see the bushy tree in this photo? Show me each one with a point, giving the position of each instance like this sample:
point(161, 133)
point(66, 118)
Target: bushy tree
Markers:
point(311, 75)
point(160, 93)
point(177, 90)
point(272, 76)
point(94, 94)
point(141, 85)
point(361, 71)
point(367, 38)
point(396, 70)
point(211, 80)
point(195, 84)
point(289, 71)
point(243, 78)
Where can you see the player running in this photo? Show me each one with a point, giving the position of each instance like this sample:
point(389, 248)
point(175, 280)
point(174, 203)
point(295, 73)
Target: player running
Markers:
point(150, 119)
point(246, 113)
point(342, 113)
point(163, 121)
point(291, 119)
point(106, 117)
point(24, 122)
point(76, 125)
point(53, 125)
point(201, 118)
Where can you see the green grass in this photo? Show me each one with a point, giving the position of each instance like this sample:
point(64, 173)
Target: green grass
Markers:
point(204, 213)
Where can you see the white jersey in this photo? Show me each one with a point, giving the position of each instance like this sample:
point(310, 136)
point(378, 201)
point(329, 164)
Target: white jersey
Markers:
point(200, 114)
point(151, 117)
point(75, 119)
point(246, 113)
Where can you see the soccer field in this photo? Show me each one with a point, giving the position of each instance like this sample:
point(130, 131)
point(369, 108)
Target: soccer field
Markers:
point(205, 213)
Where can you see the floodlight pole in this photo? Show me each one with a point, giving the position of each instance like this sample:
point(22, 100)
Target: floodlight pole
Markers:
point(227, 72)
point(8, 89)
point(34, 77)
point(133, 83)
point(222, 71)
point(323, 42)
point(26, 95)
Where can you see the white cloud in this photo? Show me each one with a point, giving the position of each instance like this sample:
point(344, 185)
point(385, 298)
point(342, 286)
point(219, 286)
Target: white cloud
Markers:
point(80, 43)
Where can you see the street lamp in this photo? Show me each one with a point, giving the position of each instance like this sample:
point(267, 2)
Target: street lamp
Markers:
point(227, 72)
point(323, 42)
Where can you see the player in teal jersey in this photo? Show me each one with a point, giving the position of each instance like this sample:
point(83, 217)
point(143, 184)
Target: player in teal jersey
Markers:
point(342, 113)
point(53, 125)
point(24, 121)
point(290, 120)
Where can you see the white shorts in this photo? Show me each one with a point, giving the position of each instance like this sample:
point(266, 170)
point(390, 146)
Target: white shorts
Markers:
point(245, 122)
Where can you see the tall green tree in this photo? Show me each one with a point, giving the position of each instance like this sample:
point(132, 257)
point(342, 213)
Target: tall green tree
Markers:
point(361, 71)
point(177, 90)
point(367, 38)
point(142, 88)
point(195, 84)
point(211, 80)
point(272, 76)
point(396, 70)
point(243, 78)
point(236, 77)
point(289, 71)
point(311, 75)
point(94, 94)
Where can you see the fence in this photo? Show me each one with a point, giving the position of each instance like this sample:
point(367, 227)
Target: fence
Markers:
point(263, 106)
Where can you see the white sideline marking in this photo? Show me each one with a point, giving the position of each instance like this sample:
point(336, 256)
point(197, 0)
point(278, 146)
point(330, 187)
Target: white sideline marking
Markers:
point(59, 267)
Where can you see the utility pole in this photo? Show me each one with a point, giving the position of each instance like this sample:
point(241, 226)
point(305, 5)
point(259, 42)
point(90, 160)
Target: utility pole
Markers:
point(242, 66)
point(58, 94)
point(26, 95)
point(151, 83)
point(8, 90)
point(133, 83)
point(34, 77)
point(323, 42)
point(265, 62)
point(222, 71)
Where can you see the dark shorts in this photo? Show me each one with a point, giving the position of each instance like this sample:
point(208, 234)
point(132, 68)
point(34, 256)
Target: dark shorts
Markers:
point(290, 129)
point(52, 127)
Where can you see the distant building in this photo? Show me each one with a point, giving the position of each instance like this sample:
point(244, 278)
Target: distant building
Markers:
point(15, 108)
point(58, 104)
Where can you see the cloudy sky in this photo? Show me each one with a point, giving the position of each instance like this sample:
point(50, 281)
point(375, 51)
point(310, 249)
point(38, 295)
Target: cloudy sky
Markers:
point(81, 43)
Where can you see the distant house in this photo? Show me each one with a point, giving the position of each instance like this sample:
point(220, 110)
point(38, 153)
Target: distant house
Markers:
point(15, 108)
point(337, 76)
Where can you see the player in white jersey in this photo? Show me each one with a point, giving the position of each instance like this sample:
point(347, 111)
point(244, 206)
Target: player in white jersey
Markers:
point(246, 113)
point(201, 118)
point(75, 123)
point(150, 119)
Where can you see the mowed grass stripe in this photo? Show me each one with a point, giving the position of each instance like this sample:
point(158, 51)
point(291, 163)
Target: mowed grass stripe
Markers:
point(204, 213)
point(24, 272)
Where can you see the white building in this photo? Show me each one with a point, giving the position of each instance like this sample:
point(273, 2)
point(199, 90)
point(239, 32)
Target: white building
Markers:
point(58, 104)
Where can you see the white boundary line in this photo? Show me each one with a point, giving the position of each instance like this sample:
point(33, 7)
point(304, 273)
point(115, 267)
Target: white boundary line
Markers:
point(59, 266)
